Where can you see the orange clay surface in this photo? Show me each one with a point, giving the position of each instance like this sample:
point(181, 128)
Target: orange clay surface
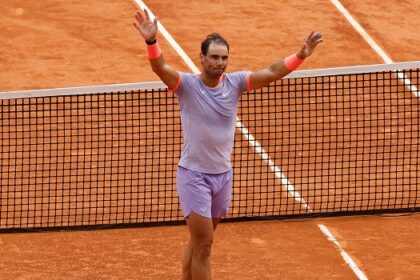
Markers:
point(46, 44)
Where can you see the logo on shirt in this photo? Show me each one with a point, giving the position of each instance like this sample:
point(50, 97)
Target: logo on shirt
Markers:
point(225, 93)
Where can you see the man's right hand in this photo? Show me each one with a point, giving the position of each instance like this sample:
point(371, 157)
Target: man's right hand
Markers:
point(148, 30)
point(146, 27)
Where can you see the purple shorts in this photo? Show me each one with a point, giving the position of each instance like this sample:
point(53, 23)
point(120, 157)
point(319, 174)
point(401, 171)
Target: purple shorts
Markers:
point(208, 195)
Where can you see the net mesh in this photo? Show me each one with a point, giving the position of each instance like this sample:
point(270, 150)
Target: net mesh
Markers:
point(305, 145)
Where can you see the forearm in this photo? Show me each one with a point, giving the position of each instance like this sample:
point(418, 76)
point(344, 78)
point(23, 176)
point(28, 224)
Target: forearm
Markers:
point(148, 30)
point(279, 69)
point(154, 54)
point(166, 73)
point(274, 72)
point(157, 64)
point(284, 66)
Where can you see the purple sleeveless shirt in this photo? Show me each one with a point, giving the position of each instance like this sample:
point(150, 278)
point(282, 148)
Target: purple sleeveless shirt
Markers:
point(208, 118)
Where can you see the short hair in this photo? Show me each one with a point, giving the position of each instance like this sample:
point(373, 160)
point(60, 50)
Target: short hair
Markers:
point(214, 37)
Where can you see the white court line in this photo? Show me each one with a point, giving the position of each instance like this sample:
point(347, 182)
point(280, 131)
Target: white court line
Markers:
point(343, 253)
point(251, 139)
point(362, 31)
point(265, 157)
point(407, 82)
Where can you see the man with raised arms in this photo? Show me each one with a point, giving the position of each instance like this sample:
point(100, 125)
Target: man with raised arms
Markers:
point(208, 108)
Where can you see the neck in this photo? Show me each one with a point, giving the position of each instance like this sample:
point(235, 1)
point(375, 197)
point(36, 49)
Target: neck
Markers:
point(210, 81)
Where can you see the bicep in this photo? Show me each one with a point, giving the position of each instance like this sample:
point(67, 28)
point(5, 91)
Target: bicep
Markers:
point(169, 76)
point(166, 73)
point(261, 78)
point(268, 75)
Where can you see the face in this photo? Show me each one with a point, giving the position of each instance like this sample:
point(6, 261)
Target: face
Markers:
point(216, 60)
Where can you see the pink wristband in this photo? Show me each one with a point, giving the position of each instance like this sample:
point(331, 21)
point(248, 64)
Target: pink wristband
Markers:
point(292, 62)
point(153, 51)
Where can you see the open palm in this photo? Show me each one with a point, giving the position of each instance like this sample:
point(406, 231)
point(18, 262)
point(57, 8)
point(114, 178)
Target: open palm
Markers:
point(145, 25)
point(310, 43)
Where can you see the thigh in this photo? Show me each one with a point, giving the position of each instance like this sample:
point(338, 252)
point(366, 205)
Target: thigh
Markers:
point(194, 193)
point(201, 229)
point(221, 200)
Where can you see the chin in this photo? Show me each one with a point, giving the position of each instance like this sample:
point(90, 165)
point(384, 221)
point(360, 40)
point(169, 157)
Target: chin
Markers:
point(217, 74)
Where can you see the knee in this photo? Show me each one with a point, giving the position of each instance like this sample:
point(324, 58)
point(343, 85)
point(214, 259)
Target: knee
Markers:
point(202, 248)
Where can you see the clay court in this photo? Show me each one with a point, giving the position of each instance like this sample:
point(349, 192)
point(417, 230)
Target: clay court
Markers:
point(47, 44)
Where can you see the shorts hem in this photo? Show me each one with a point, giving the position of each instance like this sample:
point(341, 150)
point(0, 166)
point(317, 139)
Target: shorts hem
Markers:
point(198, 213)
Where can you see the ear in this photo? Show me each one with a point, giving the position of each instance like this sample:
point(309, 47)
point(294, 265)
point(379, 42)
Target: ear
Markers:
point(202, 57)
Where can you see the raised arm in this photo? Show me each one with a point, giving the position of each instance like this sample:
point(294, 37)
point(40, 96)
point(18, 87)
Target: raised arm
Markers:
point(282, 67)
point(148, 30)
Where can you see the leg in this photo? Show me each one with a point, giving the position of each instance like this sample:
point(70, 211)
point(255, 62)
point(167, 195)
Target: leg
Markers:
point(201, 240)
point(194, 191)
point(187, 260)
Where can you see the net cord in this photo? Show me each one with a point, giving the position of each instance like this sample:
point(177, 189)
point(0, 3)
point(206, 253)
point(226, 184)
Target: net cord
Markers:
point(126, 87)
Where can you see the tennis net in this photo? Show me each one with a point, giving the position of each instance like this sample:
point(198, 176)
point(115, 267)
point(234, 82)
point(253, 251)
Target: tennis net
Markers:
point(318, 142)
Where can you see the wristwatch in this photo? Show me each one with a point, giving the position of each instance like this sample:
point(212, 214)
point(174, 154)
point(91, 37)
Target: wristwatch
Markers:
point(151, 42)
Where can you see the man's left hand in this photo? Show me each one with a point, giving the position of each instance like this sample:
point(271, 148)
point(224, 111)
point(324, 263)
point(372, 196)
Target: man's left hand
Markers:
point(309, 45)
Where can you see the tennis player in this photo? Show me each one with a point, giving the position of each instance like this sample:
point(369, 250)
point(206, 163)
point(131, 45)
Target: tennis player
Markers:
point(208, 108)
